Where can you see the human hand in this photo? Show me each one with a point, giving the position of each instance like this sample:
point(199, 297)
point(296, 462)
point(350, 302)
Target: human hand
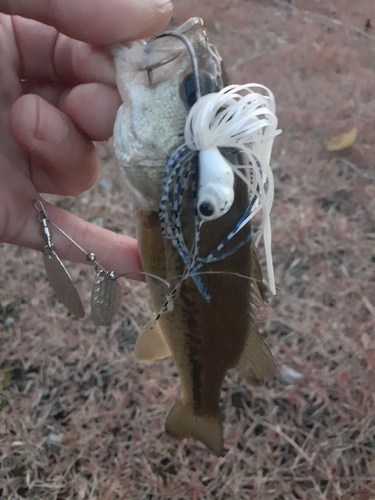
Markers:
point(57, 95)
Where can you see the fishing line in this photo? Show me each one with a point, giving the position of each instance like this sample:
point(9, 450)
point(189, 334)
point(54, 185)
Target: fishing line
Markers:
point(148, 275)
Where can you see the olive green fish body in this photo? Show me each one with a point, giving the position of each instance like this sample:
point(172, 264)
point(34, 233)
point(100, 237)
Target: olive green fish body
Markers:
point(206, 337)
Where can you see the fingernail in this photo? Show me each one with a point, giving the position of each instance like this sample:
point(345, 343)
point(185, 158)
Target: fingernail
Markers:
point(51, 126)
point(163, 5)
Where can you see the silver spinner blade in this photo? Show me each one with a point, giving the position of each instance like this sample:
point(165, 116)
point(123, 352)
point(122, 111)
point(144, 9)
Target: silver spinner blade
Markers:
point(105, 298)
point(62, 283)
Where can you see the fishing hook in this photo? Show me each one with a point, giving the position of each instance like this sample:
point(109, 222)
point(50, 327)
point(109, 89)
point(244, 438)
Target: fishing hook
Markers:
point(192, 54)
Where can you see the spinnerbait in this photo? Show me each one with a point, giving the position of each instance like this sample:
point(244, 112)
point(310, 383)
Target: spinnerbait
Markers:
point(240, 118)
point(106, 293)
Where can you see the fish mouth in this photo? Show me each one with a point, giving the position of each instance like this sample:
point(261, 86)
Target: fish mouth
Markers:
point(157, 55)
point(191, 37)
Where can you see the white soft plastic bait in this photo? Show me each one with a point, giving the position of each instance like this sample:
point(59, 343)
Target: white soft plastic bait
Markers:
point(241, 117)
point(215, 188)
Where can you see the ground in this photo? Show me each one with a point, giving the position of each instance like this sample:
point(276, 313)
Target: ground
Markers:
point(81, 419)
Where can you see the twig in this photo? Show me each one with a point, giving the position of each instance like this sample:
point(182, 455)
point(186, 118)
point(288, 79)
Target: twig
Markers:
point(288, 6)
point(291, 441)
point(352, 166)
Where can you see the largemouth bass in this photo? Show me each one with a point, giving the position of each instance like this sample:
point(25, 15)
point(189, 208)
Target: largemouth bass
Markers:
point(204, 252)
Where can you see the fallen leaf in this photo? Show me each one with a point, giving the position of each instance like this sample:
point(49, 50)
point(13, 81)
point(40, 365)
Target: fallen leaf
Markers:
point(343, 141)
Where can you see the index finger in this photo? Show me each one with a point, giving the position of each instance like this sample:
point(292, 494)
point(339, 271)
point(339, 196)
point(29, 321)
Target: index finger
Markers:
point(95, 21)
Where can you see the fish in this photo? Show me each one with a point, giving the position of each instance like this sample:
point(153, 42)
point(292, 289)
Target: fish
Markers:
point(203, 272)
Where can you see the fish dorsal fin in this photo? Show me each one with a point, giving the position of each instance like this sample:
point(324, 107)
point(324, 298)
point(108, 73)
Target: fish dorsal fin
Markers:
point(182, 423)
point(256, 364)
point(151, 343)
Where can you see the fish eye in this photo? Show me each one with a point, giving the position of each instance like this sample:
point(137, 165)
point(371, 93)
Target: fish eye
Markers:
point(187, 87)
point(187, 90)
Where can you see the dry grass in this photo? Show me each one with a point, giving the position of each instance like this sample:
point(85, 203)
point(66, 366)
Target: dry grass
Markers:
point(80, 419)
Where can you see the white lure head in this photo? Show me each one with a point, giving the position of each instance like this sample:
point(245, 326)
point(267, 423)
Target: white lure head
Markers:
point(215, 189)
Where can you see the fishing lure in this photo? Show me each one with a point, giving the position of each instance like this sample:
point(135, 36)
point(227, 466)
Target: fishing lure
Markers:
point(57, 273)
point(106, 292)
point(238, 117)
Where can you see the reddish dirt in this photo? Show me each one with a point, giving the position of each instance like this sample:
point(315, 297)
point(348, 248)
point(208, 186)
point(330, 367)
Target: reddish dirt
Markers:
point(80, 419)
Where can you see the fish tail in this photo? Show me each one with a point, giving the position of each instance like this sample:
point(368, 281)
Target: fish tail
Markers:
point(182, 423)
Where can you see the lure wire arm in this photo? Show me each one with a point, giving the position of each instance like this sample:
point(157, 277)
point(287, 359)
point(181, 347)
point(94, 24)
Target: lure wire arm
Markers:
point(43, 217)
point(44, 220)
point(192, 54)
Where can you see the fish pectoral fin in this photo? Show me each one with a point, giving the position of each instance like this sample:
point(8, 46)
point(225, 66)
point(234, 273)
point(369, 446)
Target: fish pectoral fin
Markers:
point(182, 423)
point(151, 343)
point(256, 364)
